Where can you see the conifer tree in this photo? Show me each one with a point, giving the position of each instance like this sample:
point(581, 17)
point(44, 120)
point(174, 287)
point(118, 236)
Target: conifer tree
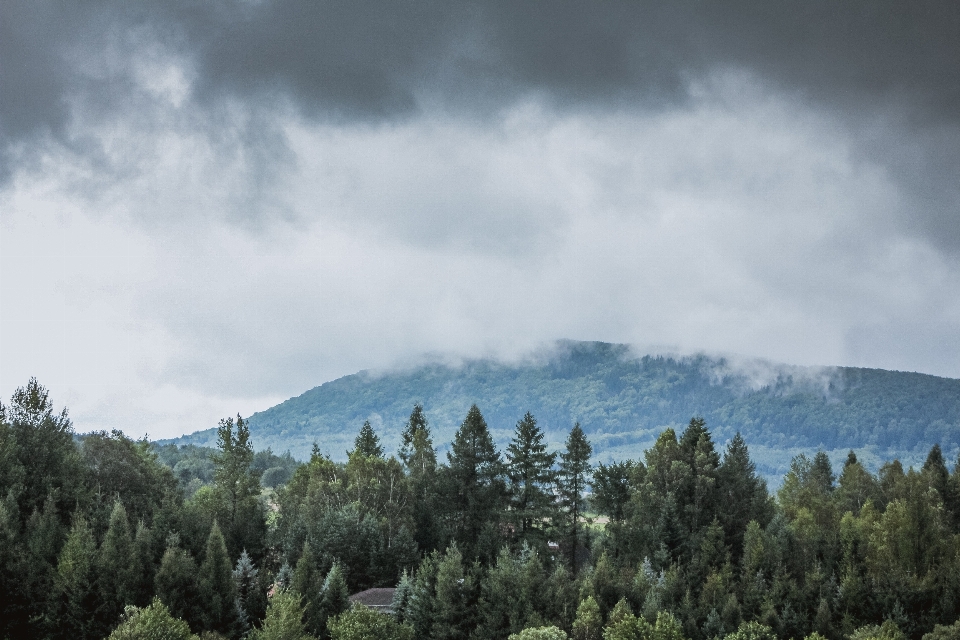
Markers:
point(177, 587)
point(237, 486)
point(530, 471)
point(336, 597)
point(589, 623)
point(216, 585)
point(308, 582)
point(422, 608)
point(420, 461)
point(453, 614)
point(250, 602)
point(367, 443)
point(284, 619)
point(142, 567)
point(115, 564)
point(475, 483)
point(75, 588)
point(742, 494)
point(573, 479)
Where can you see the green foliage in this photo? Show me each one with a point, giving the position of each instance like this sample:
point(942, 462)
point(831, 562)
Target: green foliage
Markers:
point(115, 566)
point(474, 485)
point(752, 631)
point(623, 402)
point(75, 589)
point(529, 468)
point(154, 622)
point(177, 587)
point(573, 479)
point(217, 588)
point(367, 443)
point(944, 632)
point(362, 623)
point(588, 624)
point(284, 619)
point(887, 631)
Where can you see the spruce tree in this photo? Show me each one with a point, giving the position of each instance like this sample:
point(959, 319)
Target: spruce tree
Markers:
point(76, 602)
point(573, 480)
point(284, 619)
point(367, 443)
point(250, 602)
point(453, 614)
point(142, 567)
point(177, 587)
point(336, 597)
point(420, 461)
point(475, 485)
point(742, 494)
point(421, 608)
point(115, 565)
point(308, 582)
point(530, 471)
point(216, 585)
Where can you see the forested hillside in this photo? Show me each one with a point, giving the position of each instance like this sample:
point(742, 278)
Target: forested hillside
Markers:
point(623, 401)
point(100, 539)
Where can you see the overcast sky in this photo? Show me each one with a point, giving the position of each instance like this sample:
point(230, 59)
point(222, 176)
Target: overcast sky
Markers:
point(206, 208)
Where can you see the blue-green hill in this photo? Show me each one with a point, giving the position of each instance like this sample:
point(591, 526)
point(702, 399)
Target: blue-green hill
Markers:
point(623, 401)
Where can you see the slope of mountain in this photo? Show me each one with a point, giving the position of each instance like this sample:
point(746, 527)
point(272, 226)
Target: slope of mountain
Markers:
point(623, 401)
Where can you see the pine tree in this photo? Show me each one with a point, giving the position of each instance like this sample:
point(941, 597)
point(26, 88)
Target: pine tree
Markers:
point(530, 470)
point(589, 623)
point(453, 614)
point(76, 603)
point(336, 597)
point(249, 597)
point(284, 619)
point(420, 461)
point(237, 485)
point(217, 586)
point(421, 609)
point(177, 587)
point(367, 443)
point(115, 564)
point(573, 479)
point(308, 582)
point(742, 494)
point(475, 484)
point(142, 567)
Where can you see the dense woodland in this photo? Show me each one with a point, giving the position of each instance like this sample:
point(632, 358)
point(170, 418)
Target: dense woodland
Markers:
point(102, 536)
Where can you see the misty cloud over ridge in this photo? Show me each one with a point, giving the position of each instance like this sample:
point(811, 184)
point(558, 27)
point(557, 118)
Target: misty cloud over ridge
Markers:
point(209, 207)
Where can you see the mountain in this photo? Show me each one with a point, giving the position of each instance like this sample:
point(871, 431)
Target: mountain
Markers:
point(624, 400)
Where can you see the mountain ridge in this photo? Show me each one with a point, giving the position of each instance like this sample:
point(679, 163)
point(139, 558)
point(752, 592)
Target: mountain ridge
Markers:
point(623, 400)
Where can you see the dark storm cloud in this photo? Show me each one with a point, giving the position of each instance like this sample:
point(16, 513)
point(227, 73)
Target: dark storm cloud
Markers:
point(889, 70)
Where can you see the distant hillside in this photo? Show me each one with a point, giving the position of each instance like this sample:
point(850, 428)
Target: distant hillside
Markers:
point(623, 401)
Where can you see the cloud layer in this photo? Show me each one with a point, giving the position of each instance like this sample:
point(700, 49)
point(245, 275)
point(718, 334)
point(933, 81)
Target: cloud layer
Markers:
point(206, 208)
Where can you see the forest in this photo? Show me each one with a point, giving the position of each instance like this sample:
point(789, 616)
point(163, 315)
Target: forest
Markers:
point(102, 536)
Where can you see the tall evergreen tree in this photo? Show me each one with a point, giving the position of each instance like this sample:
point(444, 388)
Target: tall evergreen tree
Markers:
point(530, 470)
point(572, 481)
point(742, 494)
point(115, 565)
point(367, 443)
point(177, 587)
point(475, 482)
point(336, 597)
point(453, 618)
point(216, 585)
point(237, 485)
point(250, 601)
point(420, 461)
point(76, 609)
point(308, 582)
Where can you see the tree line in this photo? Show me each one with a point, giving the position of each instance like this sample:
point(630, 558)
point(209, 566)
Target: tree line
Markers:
point(98, 538)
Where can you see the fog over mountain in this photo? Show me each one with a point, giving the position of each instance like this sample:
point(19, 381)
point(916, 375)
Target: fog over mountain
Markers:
point(206, 208)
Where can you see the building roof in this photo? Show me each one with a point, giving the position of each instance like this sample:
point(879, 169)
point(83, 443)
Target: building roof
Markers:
point(380, 598)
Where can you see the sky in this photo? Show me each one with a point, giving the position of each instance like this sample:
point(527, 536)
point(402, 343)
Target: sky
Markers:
point(207, 208)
